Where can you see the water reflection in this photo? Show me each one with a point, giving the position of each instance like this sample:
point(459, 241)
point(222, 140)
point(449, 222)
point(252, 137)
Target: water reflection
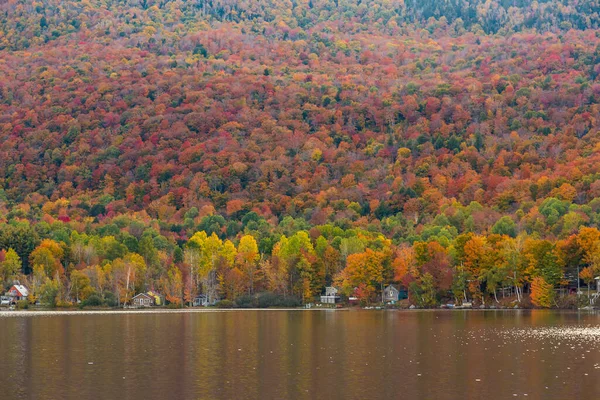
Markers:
point(301, 355)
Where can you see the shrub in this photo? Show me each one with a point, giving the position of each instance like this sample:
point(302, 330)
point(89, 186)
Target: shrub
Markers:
point(291, 301)
point(246, 301)
point(268, 299)
point(110, 299)
point(63, 304)
point(93, 301)
point(22, 304)
point(225, 304)
point(570, 301)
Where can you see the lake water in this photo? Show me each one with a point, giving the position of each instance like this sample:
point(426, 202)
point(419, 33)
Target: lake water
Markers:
point(302, 355)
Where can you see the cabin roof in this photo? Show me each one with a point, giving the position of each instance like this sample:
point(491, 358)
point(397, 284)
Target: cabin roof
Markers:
point(142, 294)
point(23, 291)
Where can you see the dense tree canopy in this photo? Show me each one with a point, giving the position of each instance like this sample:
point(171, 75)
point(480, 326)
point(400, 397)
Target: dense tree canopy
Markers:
point(232, 147)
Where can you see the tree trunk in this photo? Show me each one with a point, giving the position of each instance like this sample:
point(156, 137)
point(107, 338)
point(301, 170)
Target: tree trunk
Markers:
point(127, 288)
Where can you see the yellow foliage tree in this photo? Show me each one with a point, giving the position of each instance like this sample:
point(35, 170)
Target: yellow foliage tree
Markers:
point(542, 293)
point(247, 259)
point(363, 269)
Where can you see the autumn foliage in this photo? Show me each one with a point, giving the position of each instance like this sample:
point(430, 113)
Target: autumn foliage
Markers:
point(232, 147)
point(542, 293)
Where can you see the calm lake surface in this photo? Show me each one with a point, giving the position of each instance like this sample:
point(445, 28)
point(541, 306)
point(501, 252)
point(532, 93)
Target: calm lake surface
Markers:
point(302, 355)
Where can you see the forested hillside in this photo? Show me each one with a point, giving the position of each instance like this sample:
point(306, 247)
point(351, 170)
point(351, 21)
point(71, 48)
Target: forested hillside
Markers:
point(451, 147)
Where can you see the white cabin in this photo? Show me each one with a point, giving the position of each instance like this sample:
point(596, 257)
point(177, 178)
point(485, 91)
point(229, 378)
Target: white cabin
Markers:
point(331, 295)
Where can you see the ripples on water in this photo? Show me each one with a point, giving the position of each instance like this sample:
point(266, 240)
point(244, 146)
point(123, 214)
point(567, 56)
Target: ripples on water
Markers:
point(584, 334)
point(301, 355)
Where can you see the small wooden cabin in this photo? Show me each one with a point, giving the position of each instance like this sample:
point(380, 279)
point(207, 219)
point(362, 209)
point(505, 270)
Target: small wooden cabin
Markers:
point(391, 294)
point(143, 300)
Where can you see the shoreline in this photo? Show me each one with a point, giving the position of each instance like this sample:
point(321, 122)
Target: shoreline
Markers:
point(20, 313)
point(42, 313)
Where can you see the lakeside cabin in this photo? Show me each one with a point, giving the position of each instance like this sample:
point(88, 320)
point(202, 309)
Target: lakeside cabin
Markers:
point(142, 300)
point(16, 293)
point(391, 294)
point(203, 301)
point(331, 296)
point(148, 299)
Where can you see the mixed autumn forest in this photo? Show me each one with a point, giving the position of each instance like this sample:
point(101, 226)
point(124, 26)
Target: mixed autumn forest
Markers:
point(240, 147)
